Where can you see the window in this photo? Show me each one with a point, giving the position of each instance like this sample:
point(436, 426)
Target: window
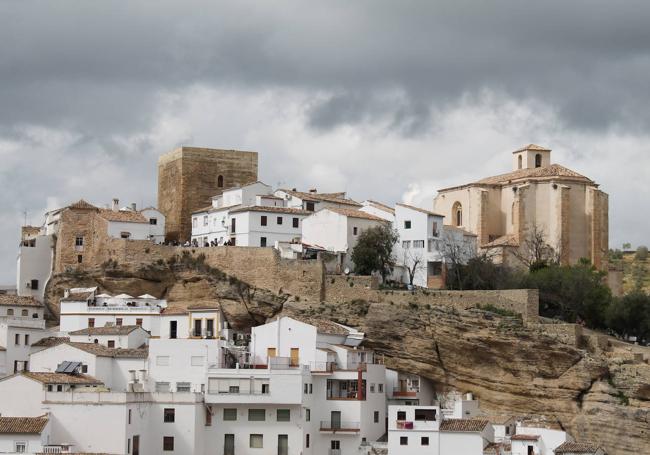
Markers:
point(355, 230)
point(91, 322)
point(307, 440)
point(35, 316)
point(372, 388)
point(424, 440)
point(17, 339)
point(162, 386)
point(10, 312)
point(118, 322)
point(80, 258)
point(457, 214)
point(138, 322)
point(21, 447)
point(220, 181)
point(229, 414)
point(233, 389)
point(125, 235)
point(266, 388)
point(262, 241)
point(380, 388)
point(263, 220)
point(418, 243)
point(34, 284)
point(153, 221)
point(427, 415)
point(256, 441)
point(538, 160)
point(309, 206)
point(507, 430)
point(279, 220)
point(24, 313)
point(111, 343)
point(84, 369)
point(296, 222)
point(205, 220)
point(79, 241)
point(403, 440)
point(194, 222)
point(208, 417)
point(311, 388)
point(183, 387)
point(434, 229)
point(519, 162)
point(335, 445)
point(198, 327)
point(162, 360)
point(284, 415)
point(59, 388)
point(233, 225)
point(406, 244)
point(168, 443)
point(169, 415)
point(306, 388)
point(401, 415)
point(129, 421)
point(307, 415)
point(376, 417)
point(26, 340)
point(256, 415)
point(407, 224)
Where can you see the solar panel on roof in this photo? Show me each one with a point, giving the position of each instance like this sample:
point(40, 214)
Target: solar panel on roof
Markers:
point(62, 366)
point(72, 367)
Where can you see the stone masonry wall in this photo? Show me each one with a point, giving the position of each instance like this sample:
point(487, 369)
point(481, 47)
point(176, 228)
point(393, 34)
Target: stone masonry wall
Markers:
point(570, 334)
point(79, 223)
point(340, 288)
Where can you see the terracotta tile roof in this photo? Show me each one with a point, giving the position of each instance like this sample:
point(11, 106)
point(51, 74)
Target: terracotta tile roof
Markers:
point(103, 351)
point(107, 330)
point(338, 198)
point(554, 170)
point(576, 447)
point(61, 378)
point(324, 325)
point(48, 342)
point(497, 448)
point(23, 425)
point(468, 425)
point(212, 209)
point(126, 216)
point(264, 208)
point(81, 204)
point(354, 213)
point(525, 437)
point(504, 240)
point(532, 147)
point(459, 229)
point(77, 297)
point(173, 310)
point(14, 300)
point(418, 209)
point(381, 206)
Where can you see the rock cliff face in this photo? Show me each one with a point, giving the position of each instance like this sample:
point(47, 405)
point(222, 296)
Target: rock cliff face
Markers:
point(509, 367)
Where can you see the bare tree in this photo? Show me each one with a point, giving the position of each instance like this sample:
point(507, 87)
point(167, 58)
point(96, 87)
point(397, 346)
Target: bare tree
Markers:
point(412, 262)
point(534, 250)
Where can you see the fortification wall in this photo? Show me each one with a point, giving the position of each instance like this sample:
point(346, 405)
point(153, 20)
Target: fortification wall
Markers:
point(570, 334)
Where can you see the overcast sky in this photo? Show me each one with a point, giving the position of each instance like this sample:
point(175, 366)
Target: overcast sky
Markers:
point(385, 100)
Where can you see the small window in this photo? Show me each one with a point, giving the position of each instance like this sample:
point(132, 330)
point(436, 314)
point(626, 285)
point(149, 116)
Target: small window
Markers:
point(220, 181)
point(129, 418)
point(355, 230)
point(50, 388)
point(10, 312)
point(311, 388)
point(256, 415)
point(279, 220)
point(24, 313)
point(84, 369)
point(233, 389)
point(125, 235)
point(162, 387)
point(266, 389)
point(17, 339)
point(401, 415)
point(418, 243)
point(306, 388)
point(434, 229)
point(309, 206)
point(519, 162)
point(427, 415)
point(307, 440)
point(118, 322)
point(507, 430)
point(153, 221)
point(21, 447)
point(194, 222)
point(372, 388)
point(407, 224)
point(169, 415)
point(376, 417)
point(263, 220)
point(111, 343)
point(380, 388)
point(307, 415)
point(284, 415)
point(205, 220)
point(138, 322)
point(424, 440)
point(296, 222)
point(59, 388)
point(79, 241)
point(35, 316)
point(26, 340)
point(230, 414)
point(256, 441)
point(34, 284)
point(406, 244)
point(403, 440)
point(91, 322)
point(208, 417)
point(183, 387)
point(168, 443)
point(262, 241)
point(80, 259)
point(538, 160)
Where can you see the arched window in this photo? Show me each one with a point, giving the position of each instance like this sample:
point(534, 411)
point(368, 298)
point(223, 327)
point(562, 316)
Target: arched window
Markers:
point(519, 161)
point(220, 181)
point(538, 160)
point(457, 214)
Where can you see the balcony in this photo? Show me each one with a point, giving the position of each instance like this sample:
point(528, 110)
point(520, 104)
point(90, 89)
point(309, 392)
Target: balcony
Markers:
point(335, 426)
point(400, 392)
point(123, 309)
point(404, 425)
point(323, 367)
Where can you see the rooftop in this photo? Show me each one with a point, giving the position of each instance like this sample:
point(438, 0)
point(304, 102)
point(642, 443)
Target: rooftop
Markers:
point(23, 425)
point(107, 330)
point(103, 351)
point(525, 437)
point(14, 300)
point(576, 447)
point(48, 342)
point(125, 216)
point(463, 425)
point(338, 198)
point(381, 206)
point(61, 378)
point(532, 147)
point(77, 297)
point(418, 209)
point(267, 208)
point(354, 213)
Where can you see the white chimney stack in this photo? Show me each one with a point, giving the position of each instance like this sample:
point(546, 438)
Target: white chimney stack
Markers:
point(116, 204)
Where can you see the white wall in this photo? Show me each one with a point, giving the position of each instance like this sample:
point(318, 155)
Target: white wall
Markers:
point(326, 229)
point(20, 397)
point(139, 231)
point(284, 334)
point(35, 263)
point(34, 442)
point(461, 442)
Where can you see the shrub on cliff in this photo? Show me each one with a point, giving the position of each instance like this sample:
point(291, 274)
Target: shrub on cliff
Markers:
point(630, 316)
point(374, 251)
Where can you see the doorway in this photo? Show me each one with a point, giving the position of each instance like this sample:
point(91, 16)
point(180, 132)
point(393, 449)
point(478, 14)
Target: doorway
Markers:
point(283, 444)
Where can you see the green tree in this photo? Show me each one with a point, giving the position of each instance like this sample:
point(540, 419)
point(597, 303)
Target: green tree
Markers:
point(374, 251)
point(641, 253)
point(630, 315)
point(481, 273)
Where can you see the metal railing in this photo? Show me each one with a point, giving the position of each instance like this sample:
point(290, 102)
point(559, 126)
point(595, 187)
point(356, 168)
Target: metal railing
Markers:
point(323, 366)
point(335, 425)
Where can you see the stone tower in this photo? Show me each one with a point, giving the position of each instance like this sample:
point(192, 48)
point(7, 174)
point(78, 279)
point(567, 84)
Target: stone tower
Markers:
point(188, 177)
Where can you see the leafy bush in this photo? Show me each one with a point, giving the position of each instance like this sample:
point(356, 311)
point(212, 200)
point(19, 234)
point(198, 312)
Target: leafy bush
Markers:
point(641, 253)
point(374, 251)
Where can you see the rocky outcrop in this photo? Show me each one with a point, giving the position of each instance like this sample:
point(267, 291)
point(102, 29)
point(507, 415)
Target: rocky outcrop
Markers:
point(510, 367)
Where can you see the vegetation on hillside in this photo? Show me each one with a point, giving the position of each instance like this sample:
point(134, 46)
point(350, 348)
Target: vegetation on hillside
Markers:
point(635, 266)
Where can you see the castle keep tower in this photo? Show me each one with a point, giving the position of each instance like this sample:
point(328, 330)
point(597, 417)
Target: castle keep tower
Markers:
point(188, 177)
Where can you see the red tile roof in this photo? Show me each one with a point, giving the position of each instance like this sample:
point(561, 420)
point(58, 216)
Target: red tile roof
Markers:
point(577, 447)
point(14, 300)
point(61, 378)
point(338, 198)
point(532, 147)
point(107, 330)
point(418, 209)
point(354, 213)
point(463, 425)
point(125, 216)
point(525, 437)
point(23, 425)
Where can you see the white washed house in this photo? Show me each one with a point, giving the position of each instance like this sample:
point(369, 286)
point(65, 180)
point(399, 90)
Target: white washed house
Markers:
point(21, 324)
point(24, 434)
point(313, 201)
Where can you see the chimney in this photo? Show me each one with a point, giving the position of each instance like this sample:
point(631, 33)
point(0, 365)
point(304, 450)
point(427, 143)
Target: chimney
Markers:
point(133, 206)
point(313, 190)
point(116, 204)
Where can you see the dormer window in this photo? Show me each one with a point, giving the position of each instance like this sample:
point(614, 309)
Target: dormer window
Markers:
point(538, 160)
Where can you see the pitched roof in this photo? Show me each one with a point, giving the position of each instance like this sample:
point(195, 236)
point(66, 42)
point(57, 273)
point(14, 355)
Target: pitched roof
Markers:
point(418, 209)
point(504, 240)
point(354, 213)
point(14, 300)
point(173, 310)
point(77, 297)
point(459, 229)
point(48, 342)
point(265, 208)
point(107, 330)
point(497, 448)
point(464, 425)
point(61, 378)
point(324, 325)
point(81, 204)
point(211, 209)
point(381, 206)
point(23, 425)
point(127, 216)
point(576, 447)
point(103, 351)
point(338, 198)
point(525, 437)
point(532, 147)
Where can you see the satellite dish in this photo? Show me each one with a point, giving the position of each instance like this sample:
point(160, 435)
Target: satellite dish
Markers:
point(346, 271)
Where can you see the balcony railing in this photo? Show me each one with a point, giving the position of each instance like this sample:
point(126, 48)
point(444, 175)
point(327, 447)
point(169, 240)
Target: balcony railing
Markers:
point(323, 367)
point(344, 395)
point(405, 392)
point(404, 425)
point(334, 425)
point(123, 309)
